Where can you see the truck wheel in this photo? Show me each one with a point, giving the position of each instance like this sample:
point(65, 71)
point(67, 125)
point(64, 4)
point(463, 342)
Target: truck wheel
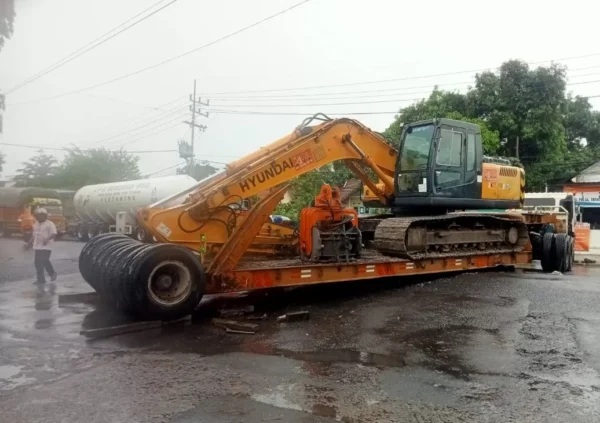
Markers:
point(91, 230)
point(547, 258)
point(169, 282)
point(141, 234)
point(100, 229)
point(561, 245)
point(82, 234)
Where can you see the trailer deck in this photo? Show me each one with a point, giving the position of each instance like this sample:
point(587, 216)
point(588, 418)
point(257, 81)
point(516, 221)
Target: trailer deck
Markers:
point(272, 273)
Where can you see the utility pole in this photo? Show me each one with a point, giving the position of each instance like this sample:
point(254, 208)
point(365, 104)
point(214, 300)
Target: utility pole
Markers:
point(196, 109)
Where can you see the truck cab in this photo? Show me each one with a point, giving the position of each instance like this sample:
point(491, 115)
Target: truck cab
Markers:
point(18, 205)
point(55, 214)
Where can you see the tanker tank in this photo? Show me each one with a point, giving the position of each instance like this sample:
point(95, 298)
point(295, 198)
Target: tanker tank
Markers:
point(98, 207)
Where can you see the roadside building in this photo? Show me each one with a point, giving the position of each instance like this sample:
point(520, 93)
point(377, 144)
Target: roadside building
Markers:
point(585, 188)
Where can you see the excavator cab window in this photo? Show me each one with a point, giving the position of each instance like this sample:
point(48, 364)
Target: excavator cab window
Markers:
point(415, 150)
point(448, 159)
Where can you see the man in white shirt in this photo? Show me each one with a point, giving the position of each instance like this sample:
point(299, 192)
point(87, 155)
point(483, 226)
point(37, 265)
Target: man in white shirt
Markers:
point(44, 232)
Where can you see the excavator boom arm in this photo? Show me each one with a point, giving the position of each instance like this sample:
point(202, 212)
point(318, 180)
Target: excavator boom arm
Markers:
point(341, 139)
point(207, 209)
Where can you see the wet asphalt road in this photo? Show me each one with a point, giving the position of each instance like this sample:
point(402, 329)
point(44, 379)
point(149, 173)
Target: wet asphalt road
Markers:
point(487, 347)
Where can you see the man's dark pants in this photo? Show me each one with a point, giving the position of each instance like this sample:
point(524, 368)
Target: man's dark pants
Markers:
point(42, 261)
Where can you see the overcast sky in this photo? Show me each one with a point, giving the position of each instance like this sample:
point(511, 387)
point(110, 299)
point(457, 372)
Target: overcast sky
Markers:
point(322, 42)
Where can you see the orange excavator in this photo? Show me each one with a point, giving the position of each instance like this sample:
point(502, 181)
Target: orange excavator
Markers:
point(210, 240)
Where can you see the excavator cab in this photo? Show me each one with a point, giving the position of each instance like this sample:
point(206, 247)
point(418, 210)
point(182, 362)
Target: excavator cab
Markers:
point(441, 165)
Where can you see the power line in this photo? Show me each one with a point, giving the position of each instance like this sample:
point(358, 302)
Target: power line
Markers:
point(90, 46)
point(389, 80)
point(224, 106)
point(39, 147)
point(146, 124)
point(135, 118)
point(120, 148)
point(387, 91)
point(167, 168)
point(232, 34)
point(251, 112)
point(149, 135)
point(322, 104)
point(184, 164)
point(225, 100)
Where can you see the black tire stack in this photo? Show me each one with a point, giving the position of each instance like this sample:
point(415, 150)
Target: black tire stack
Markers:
point(138, 278)
point(557, 252)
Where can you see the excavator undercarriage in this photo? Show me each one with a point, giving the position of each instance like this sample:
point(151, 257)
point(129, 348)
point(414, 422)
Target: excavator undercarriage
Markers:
point(449, 235)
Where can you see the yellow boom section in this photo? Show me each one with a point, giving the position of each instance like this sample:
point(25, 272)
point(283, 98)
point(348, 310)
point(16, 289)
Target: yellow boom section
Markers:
point(209, 217)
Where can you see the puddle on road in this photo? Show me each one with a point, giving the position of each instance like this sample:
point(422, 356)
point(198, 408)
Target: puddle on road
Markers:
point(344, 356)
point(277, 398)
point(8, 371)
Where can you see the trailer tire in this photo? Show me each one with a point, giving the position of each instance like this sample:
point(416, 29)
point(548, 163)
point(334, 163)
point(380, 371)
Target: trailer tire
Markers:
point(124, 260)
point(547, 258)
point(561, 248)
point(88, 251)
point(101, 263)
point(570, 253)
point(536, 245)
point(128, 278)
point(170, 282)
point(82, 234)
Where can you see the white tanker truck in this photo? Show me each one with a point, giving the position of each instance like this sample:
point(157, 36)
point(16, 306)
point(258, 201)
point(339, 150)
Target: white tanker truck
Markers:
point(99, 207)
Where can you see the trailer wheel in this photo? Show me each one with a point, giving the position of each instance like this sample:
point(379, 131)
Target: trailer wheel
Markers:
point(101, 263)
point(118, 277)
point(170, 282)
point(82, 234)
point(89, 250)
point(570, 253)
point(561, 248)
point(547, 258)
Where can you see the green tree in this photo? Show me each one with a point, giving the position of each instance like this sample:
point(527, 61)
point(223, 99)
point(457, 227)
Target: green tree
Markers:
point(443, 104)
point(40, 171)
point(557, 135)
point(525, 106)
point(439, 104)
point(304, 188)
point(201, 170)
point(95, 166)
point(7, 17)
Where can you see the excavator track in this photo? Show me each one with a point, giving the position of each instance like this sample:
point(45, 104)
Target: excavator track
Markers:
point(450, 235)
